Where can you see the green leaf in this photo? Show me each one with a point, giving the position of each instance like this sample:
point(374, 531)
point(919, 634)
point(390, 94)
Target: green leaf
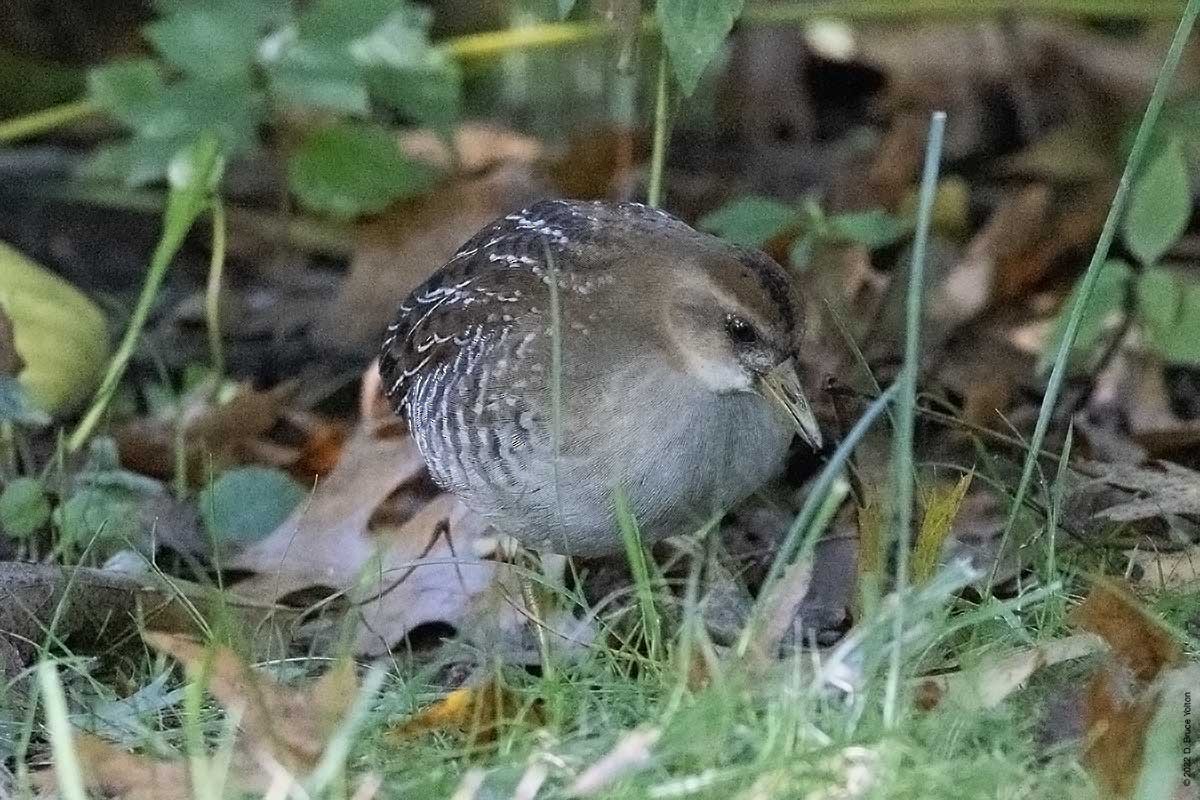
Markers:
point(229, 110)
point(1108, 298)
point(24, 507)
point(247, 503)
point(751, 221)
point(430, 97)
point(1160, 204)
point(99, 513)
point(873, 229)
point(17, 407)
point(401, 40)
point(1159, 303)
point(130, 91)
point(347, 170)
point(693, 31)
point(342, 21)
point(312, 75)
point(135, 162)
point(564, 8)
point(193, 175)
point(1169, 311)
point(212, 40)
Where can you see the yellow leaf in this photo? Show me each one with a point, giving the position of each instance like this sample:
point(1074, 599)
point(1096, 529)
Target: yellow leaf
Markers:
point(941, 505)
point(60, 334)
point(478, 711)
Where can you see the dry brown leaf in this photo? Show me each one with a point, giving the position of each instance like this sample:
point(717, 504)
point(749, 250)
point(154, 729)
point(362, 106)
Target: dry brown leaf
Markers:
point(480, 712)
point(1166, 488)
point(283, 731)
point(115, 773)
point(779, 612)
point(216, 435)
point(1122, 696)
point(397, 250)
point(291, 726)
point(988, 685)
point(1172, 569)
point(398, 576)
point(1141, 391)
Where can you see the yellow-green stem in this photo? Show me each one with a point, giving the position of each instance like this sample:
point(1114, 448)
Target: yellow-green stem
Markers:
point(212, 293)
point(45, 120)
point(168, 246)
point(658, 153)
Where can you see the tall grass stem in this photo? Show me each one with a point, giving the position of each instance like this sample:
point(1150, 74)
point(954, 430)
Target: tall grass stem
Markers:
point(904, 477)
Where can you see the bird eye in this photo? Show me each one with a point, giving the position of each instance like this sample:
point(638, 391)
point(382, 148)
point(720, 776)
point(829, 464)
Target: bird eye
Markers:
point(740, 331)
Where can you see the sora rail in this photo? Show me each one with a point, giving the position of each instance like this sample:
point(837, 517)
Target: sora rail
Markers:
point(575, 348)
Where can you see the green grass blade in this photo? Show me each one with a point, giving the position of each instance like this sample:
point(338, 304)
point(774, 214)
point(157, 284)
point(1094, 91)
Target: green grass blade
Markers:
point(906, 401)
point(67, 771)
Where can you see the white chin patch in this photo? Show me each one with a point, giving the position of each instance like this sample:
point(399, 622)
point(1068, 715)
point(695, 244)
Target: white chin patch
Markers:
point(722, 377)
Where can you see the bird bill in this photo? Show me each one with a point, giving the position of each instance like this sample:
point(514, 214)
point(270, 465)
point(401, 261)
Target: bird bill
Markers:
point(781, 386)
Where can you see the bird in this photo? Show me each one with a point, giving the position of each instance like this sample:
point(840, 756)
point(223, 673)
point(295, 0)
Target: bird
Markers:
point(577, 352)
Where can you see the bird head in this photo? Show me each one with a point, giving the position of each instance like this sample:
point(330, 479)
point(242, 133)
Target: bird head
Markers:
point(736, 321)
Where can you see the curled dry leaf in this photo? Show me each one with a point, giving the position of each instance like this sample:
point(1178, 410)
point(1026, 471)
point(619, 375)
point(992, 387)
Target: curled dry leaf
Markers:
point(1163, 489)
point(1124, 694)
point(480, 712)
point(290, 726)
point(397, 575)
point(216, 435)
point(282, 730)
point(988, 685)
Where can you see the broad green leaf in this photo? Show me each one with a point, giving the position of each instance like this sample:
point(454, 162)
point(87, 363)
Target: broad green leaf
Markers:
point(430, 97)
point(24, 507)
point(693, 31)
point(1159, 205)
point(130, 91)
point(1107, 300)
point(347, 170)
point(317, 75)
point(135, 162)
point(1159, 303)
point(247, 503)
point(342, 21)
point(99, 513)
point(229, 108)
point(401, 40)
point(1180, 343)
point(872, 229)
point(751, 221)
point(210, 40)
point(564, 8)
